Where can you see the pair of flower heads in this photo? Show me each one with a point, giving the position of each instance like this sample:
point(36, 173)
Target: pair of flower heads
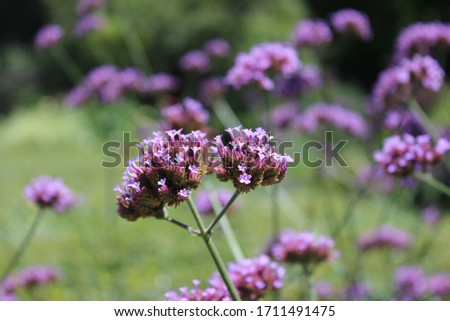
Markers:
point(172, 164)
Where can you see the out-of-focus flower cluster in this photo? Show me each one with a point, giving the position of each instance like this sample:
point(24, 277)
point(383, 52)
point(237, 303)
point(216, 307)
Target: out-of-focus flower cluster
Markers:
point(302, 248)
point(307, 78)
point(188, 114)
point(50, 192)
point(311, 33)
point(263, 60)
point(249, 160)
point(48, 36)
point(402, 155)
point(253, 278)
point(385, 237)
point(352, 21)
point(88, 18)
point(204, 203)
point(164, 175)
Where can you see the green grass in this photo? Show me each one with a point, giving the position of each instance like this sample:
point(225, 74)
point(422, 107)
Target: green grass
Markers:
point(104, 257)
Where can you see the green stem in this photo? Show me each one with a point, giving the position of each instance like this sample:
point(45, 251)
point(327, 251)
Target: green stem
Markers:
point(433, 182)
point(310, 294)
point(214, 252)
point(225, 114)
point(222, 213)
point(24, 245)
point(423, 118)
point(185, 227)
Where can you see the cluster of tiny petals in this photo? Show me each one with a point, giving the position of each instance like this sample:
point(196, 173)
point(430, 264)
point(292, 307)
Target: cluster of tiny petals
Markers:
point(197, 294)
point(306, 79)
point(410, 283)
point(50, 192)
point(253, 278)
point(189, 114)
point(195, 60)
point(253, 67)
point(352, 21)
point(421, 38)
point(385, 237)
point(217, 47)
point(402, 155)
point(249, 160)
point(312, 32)
point(332, 114)
point(396, 84)
point(48, 36)
point(31, 276)
point(163, 175)
point(205, 205)
point(302, 247)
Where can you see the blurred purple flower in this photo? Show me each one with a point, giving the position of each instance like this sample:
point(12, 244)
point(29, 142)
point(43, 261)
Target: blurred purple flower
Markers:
point(204, 204)
point(87, 6)
point(261, 61)
point(160, 83)
point(78, 96)
point(352, 21)
point(302, 248)
point(48, 36)
point(217, 47)
point(33, 276)
point(100, 76)
point(324, 290)
point(253, 278)
point(403, 121)
point(46, 191)
point(211, 89)
point(162, 174)
point(439, 285)
point(7, 297)
point(375, 176)
point(402, 155)
point(299, 83)
point(88, 23)
point(431, 215)
point(189, 114)
point(385, 236)
point(195, 60)
point(311, 33)
point(196, 294)
point(132, 79)
point(249, 160)
point(284, 115)
point(410, 283)
point(111, 92)
point(356, 291)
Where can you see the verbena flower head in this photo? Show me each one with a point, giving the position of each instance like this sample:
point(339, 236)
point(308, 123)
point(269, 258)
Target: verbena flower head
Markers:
point(311, 33)
point(48, 36)
point(195, 60)
point(410, 283)
point(253, 278)
point(197, 294)
point(87, 6)
point(217, 47)
point(356, 291)
point(33, 276)
point(403, 121)
point(284, 115)
point(7, 297)
point(399, 83)
point(334, 115)
point(431, 215)
point(132, 79)
point(324, 290)
point(189, 114)
point(164, 175)
point(402, 155)
point(256, 66)
point(50, 192)
point(160, 83)
point(422, 38)
point(438, 286)
point(100, 76)
point(78, 96)
point(385, 237)
point(302, 248)
point(352, 21)
point(204, 204)
point(87, 24)
point(299, 83)
point(211, 89)
point(249, 160)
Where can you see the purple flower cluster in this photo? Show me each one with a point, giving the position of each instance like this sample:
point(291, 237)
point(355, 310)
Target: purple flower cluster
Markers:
point(189, 114)
point(88, 6)
point(403, 121)
point(421, 38)
point(302, 247)
point(29, 277)
point(311, 33)
point(49, 192)
point(253, 278)
point(410, 283)
point(204, 204)
point(164, 174)
point(254, 67)
point(352, 21)
point(397, 84)
point(385, 237)
point(217, 47)
point(196, 294)
point(356, 291)
point(88, 23)
point(249, 160)
point(332, 114)
point(284, 115)
point(439, 285)
point(211, 89)
point(324, 290)
point(160, 83)
point(402, 155)
point(431, 215)
point(48, 36)
point(299, 83)
point(195, 60)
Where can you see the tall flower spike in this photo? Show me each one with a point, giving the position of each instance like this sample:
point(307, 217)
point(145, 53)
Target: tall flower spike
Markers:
point(164, 174)
point(249, 160)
